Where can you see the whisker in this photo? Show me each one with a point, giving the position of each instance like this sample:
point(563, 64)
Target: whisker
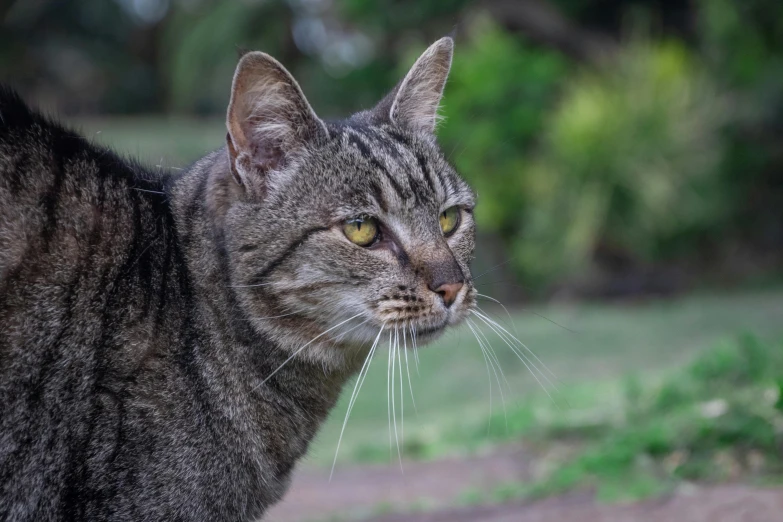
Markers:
point(388, 394)
point(485, 350)
point(408, 370)
point(492, 354)
point(394, 411)
point(550, 320)
point(510, 320)
point(402, 389)
point(303, 347)
point(355, 394)
point(149, 191)
point(481, 315)
point(485, 272)
point(276, 316)
point(489, 378)
point(527, 362)
point(249, 286)
point(415, 347)
point(339, 337)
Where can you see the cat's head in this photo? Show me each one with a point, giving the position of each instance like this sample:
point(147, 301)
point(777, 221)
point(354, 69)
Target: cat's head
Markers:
point(360, 223)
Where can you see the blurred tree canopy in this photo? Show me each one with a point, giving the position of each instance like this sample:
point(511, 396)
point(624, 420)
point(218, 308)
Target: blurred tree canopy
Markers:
point(612, 143)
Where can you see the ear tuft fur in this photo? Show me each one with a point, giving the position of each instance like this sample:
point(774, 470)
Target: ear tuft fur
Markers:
point(418, 96)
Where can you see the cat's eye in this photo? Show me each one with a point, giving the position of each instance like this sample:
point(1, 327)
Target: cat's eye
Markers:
point(449, 220)
point(362, 230)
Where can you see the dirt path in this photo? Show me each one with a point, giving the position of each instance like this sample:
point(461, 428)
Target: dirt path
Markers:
point(362, 492)
point(731, 503)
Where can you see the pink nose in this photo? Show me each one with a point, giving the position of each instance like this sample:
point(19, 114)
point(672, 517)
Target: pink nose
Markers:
point(448, 292)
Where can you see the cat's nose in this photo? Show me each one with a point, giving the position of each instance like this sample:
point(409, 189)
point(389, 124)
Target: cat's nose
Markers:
point(448, 292)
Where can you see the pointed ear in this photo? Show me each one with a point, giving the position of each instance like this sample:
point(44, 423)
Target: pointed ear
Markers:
point(414, 102)
point(268, 120)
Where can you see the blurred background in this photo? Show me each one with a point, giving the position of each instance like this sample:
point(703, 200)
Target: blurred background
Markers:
point(628, 157)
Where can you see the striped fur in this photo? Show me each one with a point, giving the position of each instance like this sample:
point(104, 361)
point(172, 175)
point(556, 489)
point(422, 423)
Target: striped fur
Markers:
point(145, 318)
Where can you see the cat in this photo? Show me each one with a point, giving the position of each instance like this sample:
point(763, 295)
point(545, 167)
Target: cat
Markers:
point(171, 342)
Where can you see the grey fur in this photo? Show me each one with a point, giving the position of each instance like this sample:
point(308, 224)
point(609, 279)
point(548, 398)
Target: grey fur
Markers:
point(141, 315)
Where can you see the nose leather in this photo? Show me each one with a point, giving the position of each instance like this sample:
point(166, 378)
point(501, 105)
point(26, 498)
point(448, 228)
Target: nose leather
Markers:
point(448, 292)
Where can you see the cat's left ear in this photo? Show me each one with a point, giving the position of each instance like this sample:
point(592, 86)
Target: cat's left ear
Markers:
point(269, 120)
point(414, 102)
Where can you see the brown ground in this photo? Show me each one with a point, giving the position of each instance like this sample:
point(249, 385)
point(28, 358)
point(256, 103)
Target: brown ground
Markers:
point(360, 493)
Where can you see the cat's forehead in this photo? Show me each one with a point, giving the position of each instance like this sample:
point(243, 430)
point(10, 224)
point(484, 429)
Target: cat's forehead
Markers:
point(392, 168)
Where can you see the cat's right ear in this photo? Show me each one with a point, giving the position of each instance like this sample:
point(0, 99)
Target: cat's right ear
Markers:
point(269, 120)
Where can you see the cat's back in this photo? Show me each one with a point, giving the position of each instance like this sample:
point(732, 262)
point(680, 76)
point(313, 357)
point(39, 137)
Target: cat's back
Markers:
point(86, 249)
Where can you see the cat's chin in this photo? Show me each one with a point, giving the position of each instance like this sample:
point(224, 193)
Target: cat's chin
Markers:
point(430, 333)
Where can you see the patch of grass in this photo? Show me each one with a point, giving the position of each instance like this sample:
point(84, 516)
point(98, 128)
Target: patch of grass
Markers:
point(715, 420)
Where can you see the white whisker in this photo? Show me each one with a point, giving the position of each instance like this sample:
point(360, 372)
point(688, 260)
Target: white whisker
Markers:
point(388, 394)
point(275, 316)
point(402, 389)
point(510, 320)
point(485, 272)
point(415, 348)
point(492, 365)
point(355, 394)
point(491, 353)
point(394, 411)
point(527, 362)
point(303, 347)
point(550, 320)
point(408, 370)
point(343, 334)
point(489, 378)
point(484, 317)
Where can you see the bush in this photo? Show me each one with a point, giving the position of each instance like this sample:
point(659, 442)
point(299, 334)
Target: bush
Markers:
point(563, 161)
point(495, 107)
point(631, 160)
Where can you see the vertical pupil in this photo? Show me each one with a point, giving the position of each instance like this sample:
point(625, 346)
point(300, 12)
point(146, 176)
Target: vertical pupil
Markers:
point(358, 226)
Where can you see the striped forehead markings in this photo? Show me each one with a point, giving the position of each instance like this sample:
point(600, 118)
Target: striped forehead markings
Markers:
point(357, 141)
point(399, 149)
point(426, 172)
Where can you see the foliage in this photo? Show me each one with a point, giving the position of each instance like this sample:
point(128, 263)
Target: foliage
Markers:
point(492, 119)
point(715, 420)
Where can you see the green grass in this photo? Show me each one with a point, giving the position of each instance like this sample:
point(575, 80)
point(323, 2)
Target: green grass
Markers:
point(719, 418)
point(593, 363)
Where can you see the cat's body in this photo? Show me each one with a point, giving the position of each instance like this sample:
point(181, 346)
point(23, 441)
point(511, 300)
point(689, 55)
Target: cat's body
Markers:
point(160, 381)
point(163, 347)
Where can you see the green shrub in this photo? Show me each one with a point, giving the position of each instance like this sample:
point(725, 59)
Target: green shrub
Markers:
point(495, 107)
point(627, 155)
point(630, 159)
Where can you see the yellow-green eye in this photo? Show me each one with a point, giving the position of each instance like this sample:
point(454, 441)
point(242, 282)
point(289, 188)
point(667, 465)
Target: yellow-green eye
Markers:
point(449, 220)
point(362, 230)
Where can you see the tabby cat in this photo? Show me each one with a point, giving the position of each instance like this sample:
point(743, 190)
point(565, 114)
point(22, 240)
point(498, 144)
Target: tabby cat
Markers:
point(170, 343)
